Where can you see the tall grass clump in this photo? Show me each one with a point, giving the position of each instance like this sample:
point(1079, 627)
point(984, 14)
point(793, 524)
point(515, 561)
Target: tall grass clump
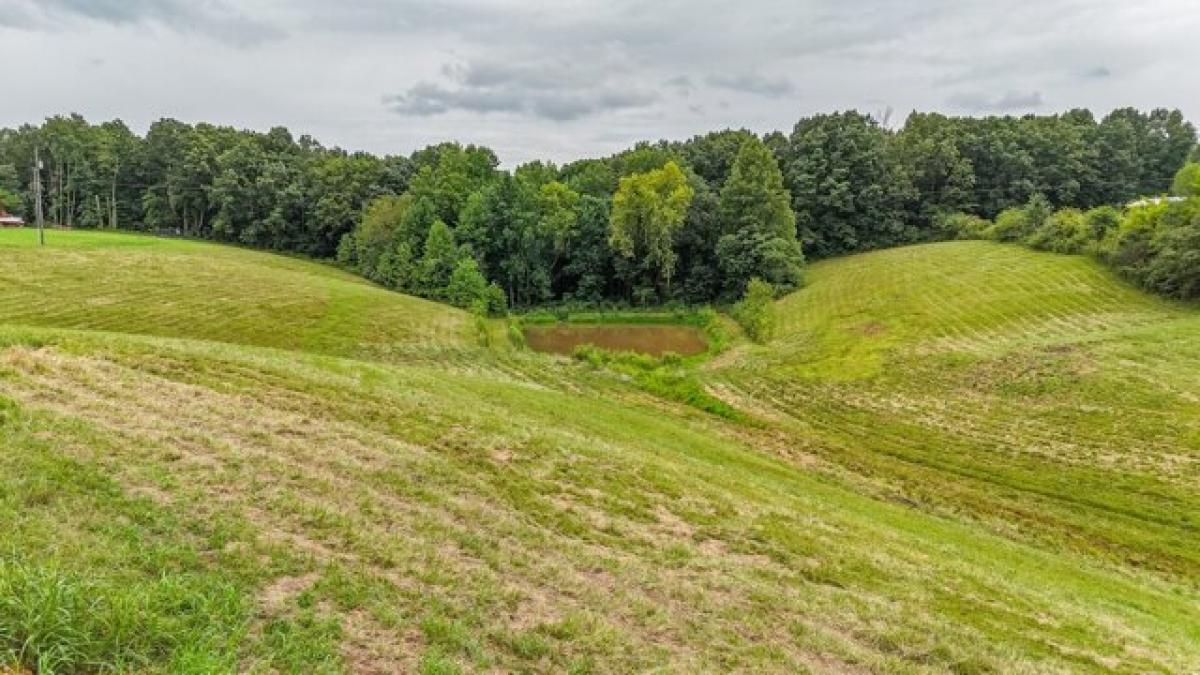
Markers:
point(55, 621)
point(516, 333)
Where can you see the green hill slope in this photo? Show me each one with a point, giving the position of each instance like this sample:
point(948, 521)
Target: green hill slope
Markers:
point(968, 297)
point(1034, 393)
point(198, 506)
point(175, 288)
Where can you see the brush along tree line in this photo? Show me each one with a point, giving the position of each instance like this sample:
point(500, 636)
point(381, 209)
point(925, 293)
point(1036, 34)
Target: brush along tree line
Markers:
point(691, 221)
point(1153, 242)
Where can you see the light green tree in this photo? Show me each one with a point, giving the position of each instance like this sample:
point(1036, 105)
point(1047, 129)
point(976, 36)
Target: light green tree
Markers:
point(1187, 181)
point(755, 312)
point(648, 209)
point(467, 285)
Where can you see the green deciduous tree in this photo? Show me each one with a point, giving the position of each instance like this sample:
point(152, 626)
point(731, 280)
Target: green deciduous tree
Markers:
point(1175, 268)
point(647, 211)
point(466, 287)
point(943, 178)
point(438, 260)
point(1187, 181)
point(10, 190)
point(848, 190)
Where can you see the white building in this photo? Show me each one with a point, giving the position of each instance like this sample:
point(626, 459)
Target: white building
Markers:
point(1154, 201)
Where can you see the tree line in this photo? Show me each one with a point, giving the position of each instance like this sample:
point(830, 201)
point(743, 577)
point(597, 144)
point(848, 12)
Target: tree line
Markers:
point(691, 221)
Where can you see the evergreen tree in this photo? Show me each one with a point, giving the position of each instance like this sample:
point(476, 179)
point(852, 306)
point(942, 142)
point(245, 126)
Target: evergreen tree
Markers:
point(757, 222)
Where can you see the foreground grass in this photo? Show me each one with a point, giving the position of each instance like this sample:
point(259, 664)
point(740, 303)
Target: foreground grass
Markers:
point(199, 506)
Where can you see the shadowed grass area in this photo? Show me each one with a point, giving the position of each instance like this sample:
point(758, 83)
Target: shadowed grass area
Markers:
point(1020, 498)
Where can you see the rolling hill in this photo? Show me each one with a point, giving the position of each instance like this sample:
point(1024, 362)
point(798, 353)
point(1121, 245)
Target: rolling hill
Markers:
point(187, 289)
point(959, 457)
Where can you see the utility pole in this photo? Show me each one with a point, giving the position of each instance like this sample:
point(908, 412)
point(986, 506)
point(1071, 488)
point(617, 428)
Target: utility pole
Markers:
point(37, 196)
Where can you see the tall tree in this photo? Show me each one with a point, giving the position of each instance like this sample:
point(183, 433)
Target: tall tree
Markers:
point(558, 218)
point(759, 228)
point(438, 260)
point(848, 192)
point(712, 155)
point(943, 178)
point(647, 211)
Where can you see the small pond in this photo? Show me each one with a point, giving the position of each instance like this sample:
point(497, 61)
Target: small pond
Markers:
point(652, 339)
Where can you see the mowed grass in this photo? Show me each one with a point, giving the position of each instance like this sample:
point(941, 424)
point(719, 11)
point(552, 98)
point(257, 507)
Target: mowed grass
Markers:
point(176, 288)
point(957, 297)
point(1035, 394)
point(204, 506)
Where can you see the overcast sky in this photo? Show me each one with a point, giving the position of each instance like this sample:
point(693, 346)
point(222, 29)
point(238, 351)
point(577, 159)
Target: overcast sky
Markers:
point(562, 80)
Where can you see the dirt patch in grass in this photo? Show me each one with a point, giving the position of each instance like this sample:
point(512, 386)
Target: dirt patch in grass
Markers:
point(652, 339)
point(283, 590)
point(872, 328)
point(372, 650)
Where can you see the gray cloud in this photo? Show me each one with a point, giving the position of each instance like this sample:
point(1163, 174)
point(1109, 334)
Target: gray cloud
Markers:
point(545, 91)
point(1012, 101)
point(681, 83)
point(607, 72)
point(214, 18)
point(749, 83)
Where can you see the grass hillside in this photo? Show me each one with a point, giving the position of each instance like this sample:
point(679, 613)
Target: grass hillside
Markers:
point(1035, 394)
point(176, 288)
point(966, 297)
point(904, 498)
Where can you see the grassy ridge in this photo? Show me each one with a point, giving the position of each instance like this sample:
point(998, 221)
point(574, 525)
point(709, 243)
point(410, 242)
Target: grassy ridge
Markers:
point(956, 297)
point(230, 506)
point(176, 288)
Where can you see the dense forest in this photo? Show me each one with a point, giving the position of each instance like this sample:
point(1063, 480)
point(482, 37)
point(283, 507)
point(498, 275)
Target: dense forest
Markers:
point(690, 221)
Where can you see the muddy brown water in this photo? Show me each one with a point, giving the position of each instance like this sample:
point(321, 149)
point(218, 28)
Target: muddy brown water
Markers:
point(653, 339)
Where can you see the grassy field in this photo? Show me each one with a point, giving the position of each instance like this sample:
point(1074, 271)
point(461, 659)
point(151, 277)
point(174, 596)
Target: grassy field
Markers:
point(1034, 394)
point(186, 289)
point(960, 457)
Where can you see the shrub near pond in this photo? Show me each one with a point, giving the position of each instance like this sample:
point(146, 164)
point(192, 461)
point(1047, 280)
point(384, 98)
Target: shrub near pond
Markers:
point(755, 313)
point(664, 376)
